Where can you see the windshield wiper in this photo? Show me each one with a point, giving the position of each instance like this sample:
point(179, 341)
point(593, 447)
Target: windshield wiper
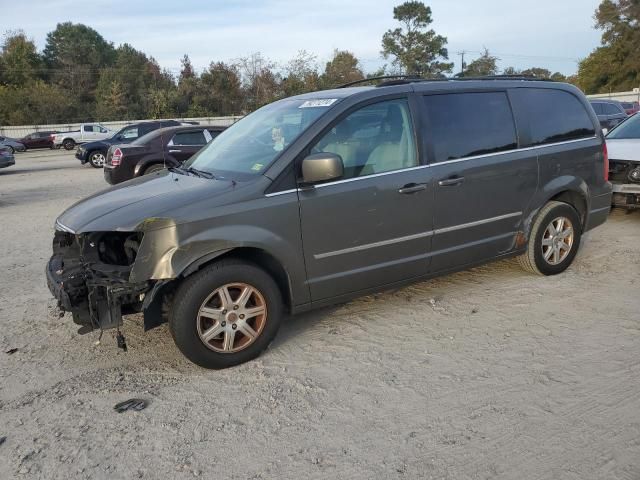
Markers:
point(200, 173)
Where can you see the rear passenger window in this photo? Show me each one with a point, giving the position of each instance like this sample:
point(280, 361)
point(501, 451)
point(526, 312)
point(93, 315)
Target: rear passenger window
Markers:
point(611, 109)
point(189, 138)
point(468, 124)
point(552, 115)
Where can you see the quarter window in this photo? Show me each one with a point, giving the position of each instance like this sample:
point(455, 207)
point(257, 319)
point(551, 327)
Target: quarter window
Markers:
point(469, 124)
point(374, 139)
point(552, 115)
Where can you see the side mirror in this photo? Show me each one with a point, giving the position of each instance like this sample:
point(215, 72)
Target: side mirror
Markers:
point(320, 167)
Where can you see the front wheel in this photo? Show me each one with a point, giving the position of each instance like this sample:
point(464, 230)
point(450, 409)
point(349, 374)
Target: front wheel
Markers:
point(68, 144)
point(156, 167)
point(11, 149)
point(226, 314)
point(97, 159)
point(554, 240)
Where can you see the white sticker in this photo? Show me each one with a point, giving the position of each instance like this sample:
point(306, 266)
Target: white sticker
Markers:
point(323, 102)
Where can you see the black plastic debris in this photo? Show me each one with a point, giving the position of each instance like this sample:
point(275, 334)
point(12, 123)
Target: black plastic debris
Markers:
point(2, 440)
point(11, 351)
point(122, 343)
point(135, 404)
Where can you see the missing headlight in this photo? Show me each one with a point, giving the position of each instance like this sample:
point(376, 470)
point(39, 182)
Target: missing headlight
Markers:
point(119, 248)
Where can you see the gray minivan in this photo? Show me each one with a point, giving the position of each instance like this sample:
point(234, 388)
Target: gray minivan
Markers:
point(318, 198)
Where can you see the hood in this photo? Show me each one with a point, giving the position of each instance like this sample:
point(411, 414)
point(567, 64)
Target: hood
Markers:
point(125, 206)
point(624, 149)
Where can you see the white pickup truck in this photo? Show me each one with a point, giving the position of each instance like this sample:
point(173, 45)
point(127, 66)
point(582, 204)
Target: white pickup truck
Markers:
point(89, 132)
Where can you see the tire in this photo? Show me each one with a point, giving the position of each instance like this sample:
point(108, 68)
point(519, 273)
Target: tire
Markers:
point(68, 143)
point(153, 168)
point(203, 290)
point(11, 149)
point(97, 159)
point(535, 258)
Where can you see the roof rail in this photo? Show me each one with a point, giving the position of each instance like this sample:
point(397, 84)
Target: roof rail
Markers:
point(398, 78)
point(404, 79)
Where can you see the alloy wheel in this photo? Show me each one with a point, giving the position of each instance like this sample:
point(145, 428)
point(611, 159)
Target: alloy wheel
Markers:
point(557, 240)
point(232, 317)
point(98, 159)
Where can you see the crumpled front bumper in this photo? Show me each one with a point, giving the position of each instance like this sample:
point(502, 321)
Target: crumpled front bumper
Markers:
point(97, 294)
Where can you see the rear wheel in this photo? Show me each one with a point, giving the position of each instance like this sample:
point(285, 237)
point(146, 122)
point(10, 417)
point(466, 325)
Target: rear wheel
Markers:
point(225, 314)
point(97, 159)
point(156, 167)
point(554, 240)
point(68, 144)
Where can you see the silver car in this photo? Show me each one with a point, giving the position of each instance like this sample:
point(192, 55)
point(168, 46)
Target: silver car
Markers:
point(12, 144)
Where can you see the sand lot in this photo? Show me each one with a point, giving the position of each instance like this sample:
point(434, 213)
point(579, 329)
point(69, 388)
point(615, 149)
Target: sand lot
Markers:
point(487, 374)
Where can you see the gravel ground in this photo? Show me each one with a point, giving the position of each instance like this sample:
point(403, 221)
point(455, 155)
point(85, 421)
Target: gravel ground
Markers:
point(489, 373)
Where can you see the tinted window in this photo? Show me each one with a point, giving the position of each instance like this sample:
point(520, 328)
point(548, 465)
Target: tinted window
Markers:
point(467, 124)
point(214, 133)
point(552, 115)
point(88, 128)
point(612, 109)
point(597, 107)
point(189, 138)
point(376, 138)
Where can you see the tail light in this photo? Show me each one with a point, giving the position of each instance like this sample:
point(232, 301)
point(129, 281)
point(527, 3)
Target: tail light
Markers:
point(605, 155)
point(116, 158)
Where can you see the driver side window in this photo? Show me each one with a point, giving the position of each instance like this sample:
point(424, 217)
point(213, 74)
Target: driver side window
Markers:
point(374, 139)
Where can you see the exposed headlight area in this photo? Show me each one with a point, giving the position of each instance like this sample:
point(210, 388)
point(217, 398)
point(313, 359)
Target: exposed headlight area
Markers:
point(622, 171)
point(634, 175)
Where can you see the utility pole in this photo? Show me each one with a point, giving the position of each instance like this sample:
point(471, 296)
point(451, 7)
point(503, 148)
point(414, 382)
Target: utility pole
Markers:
point(462, 65)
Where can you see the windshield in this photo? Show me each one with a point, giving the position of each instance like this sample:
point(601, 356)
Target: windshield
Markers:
point(249, 146)
point(627, 129)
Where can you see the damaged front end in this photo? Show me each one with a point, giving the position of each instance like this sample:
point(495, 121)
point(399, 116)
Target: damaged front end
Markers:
point(625, 178)
point(90, 274)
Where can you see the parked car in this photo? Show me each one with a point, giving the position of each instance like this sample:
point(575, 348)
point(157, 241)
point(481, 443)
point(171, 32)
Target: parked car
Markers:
point(163, 148)
point(96, 152)
point(88, 132)
point(623, 143)
point(6, 157)
point(322, 197)
point(39, 139)
point(610, 112)
point(12, 144)
point(631, 107)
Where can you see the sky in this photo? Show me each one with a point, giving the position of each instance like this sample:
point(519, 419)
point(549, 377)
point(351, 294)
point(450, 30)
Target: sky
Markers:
point(553, 34)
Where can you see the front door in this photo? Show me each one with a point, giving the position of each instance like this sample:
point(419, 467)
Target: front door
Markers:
point(373, 226)
point(482, 183)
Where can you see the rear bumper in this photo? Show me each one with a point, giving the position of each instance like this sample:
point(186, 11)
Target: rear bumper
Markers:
point(114, 175)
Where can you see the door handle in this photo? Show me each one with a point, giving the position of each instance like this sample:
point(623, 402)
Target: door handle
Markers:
point(413, 188)
point(175, 151)
point(449, 182)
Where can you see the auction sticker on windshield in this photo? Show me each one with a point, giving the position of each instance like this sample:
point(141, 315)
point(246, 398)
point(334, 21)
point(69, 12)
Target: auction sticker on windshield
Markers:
point(323, 102)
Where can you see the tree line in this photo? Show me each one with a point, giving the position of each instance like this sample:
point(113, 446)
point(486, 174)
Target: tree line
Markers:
point(81, 76)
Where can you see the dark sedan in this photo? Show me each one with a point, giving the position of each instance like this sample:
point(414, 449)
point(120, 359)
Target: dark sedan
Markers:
point(610, 112)
point(162, 148)
point(96, 152)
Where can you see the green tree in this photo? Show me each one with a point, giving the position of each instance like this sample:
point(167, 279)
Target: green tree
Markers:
point(111, 101)
point(615, 65)
point(415, 48)
point(484, 65)
point(301, 75)
point(20, 63)
point(260, 81)
point(343, 68)
point(220, 90)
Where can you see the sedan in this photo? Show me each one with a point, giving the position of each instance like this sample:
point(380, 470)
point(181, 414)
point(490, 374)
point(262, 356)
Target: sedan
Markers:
point(12, 144)
point(155, 151)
